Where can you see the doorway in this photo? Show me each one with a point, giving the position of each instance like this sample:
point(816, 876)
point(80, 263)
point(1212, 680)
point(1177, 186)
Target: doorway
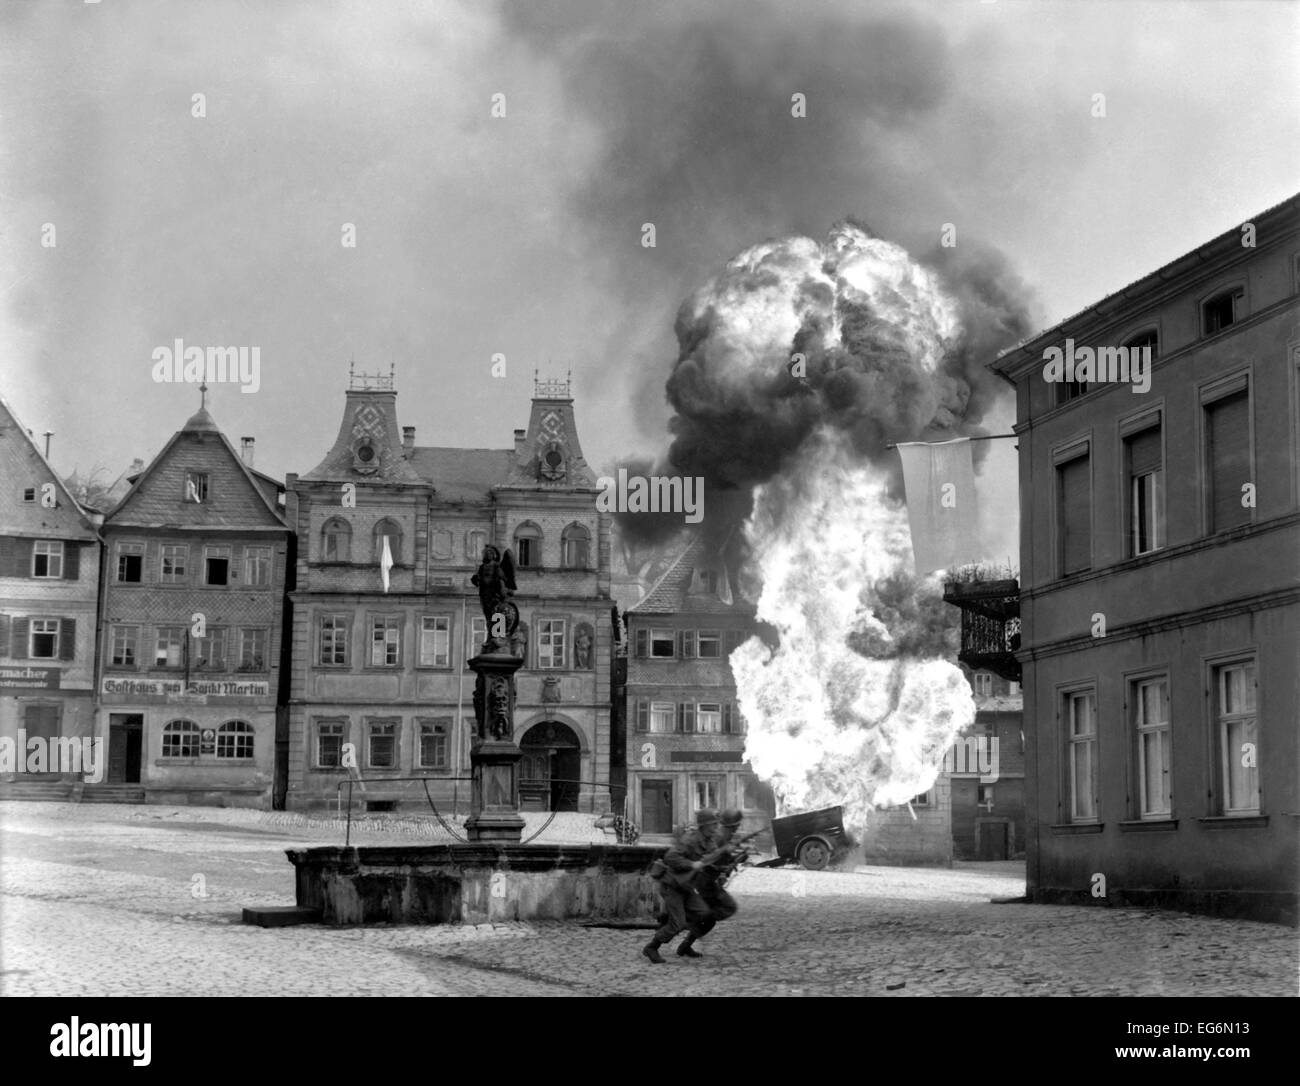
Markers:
point(125, 745)
point(551, 768)
point(656, 806)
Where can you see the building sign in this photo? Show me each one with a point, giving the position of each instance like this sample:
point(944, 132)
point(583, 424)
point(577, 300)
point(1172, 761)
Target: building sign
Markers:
point(208, 741)
point(176, 687)
point(17, 677)
point(706, 756)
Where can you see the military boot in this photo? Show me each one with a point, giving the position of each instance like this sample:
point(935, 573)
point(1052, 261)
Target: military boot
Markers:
point(687, 949)
point(651, 951)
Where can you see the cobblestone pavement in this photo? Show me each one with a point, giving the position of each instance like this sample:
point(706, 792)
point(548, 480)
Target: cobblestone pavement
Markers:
point(110, 901)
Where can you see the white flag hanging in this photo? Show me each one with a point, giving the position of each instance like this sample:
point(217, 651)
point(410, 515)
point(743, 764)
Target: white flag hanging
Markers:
point(385, 562)
point(940, 483)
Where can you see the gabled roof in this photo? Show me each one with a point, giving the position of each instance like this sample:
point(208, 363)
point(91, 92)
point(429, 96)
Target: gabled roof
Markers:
point(147, 504)
point(672, 594)
point(69, 519)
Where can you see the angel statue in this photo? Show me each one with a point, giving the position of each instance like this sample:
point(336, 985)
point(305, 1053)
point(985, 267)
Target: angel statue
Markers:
point(496, 584)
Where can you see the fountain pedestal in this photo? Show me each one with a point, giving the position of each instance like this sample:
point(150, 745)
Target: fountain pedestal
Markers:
point(494, 757)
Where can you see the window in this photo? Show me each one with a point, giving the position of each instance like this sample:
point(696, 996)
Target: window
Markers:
point(1013, 689)
point(661, 643)
point(1145, 487)
point(709, 645)
point(47, 558)
point(334, 639)
point(196, 486)
point(575, 545)
point(983, 683)
point(44, 639)
point(336, 541)
point(1069, 390)
point(732, 722)
point(180, 739)
point(252, 649)
point(735, 638)
point(29, 493)
point(1236, 738)
point(528, 545)
point(985, 800)
point(170, 647)
point(130, 562)
point(1151, 720)
point(706, 793)
point(381, 744)
point(477, 635)
point(1074, 515)
point(329, 744)
point(1221, 311)
point(175, 557)
point(475, 541)
point(1227, 456)
point(433, 743)
point(550, 642)
point(708, 580)
point(389, 528)
point(209, 652)
point(216, 565)
point(1149, 338)
point(661, 716)
point(686, 644)
point(257, 567)
point(235, 739)
point(686, 717)
point(124, 640)
point(1081, 713)
point(923, 800)
point(708, 718)
point(386, 641)
point(435, 641)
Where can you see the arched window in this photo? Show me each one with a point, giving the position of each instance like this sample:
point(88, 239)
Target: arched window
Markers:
point(575, 547)
point(235, 739)
point(393, 531)
point(180, 739)
point(1146, 338)
point(528, 545)
point(336, 541)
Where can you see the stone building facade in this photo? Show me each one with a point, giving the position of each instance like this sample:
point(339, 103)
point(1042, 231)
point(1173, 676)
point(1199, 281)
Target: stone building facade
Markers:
point(685, 734)
point(192, 594)
point(380, 685)
point(49, 568)
point(1159, 598)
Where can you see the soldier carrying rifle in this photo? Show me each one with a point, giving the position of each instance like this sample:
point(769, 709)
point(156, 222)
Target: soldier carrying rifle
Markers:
point(691, 877)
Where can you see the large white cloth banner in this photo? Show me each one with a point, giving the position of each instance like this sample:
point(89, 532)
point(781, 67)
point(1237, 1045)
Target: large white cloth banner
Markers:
point(940, 483)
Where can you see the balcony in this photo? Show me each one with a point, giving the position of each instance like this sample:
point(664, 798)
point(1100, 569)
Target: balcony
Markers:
point(990, 624)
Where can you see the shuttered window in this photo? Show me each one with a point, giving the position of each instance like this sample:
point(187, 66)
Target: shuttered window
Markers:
point(1073, 488)
point(642, 715)
point(1227, 453)
point(1146, 477)
point(642, 639)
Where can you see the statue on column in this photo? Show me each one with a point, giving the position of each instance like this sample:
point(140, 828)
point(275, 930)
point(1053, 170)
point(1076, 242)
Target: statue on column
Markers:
point(495, 580)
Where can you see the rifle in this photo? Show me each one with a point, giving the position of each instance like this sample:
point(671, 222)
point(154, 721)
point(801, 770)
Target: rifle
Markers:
point(724, 861)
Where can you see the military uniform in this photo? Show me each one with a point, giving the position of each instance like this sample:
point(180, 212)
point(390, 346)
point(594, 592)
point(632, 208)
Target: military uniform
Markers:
point(683, 905)
point(709, 884)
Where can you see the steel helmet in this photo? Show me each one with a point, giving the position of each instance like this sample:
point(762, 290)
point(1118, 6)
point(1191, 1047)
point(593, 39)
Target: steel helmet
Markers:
point(706, 817)
point(732, 817)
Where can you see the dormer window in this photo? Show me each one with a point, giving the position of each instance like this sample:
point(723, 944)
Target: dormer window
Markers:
point(365, 455)
point(196, 487)
point(29, 494)
point(1149, 338)
point(708, 580)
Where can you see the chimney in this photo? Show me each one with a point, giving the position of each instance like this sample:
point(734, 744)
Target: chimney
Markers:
point(519, 441)
point(408, 438)
point(246, 451)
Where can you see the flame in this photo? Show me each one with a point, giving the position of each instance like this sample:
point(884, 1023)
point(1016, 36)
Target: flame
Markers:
point(829, 722)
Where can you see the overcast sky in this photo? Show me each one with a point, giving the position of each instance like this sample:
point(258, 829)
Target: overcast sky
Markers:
point(522, 235)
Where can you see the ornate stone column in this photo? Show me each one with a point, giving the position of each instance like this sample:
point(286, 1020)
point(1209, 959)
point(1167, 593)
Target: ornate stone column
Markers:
point(494, 757)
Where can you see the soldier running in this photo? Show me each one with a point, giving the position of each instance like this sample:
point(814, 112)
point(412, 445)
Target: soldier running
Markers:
point(683, 905)
point(711, 881)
